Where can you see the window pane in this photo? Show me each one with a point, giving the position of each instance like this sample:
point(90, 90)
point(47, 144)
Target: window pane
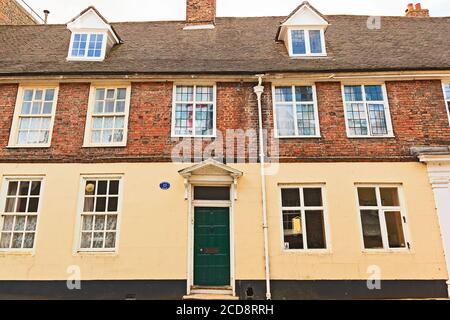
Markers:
point(88, 222)
point(204, 115)
point(24, 187)
point(102, 187)
point(204, 94)
point(377, 119)
point(5, 240)
point(304, 94)
point(111, 223)
point(17, 240)
point(312, 197)
point(19, 224)
point(101, 204)
point(353, 93)
point(31, 223)
point(35, 188)
point(306, 119)
point(185, 93)
point(315, 230)
point(292, 229)
point(315, 41)
point(8, 222)
point(211, 193)
point(371, 229)
point(389, 197)
point(183, 119)
point(28, 242)
point(110, 241)
point(298, 42)
point(112, 204)
point(367, 197)
point(356, 117)
point(33, 205)
point(86, 240)
point(290, 197)
point(99, 222)
point(447, 91)
point(285, 120)
point(374, 93)
point(394, 227)
point(113, 187)
point(12, 188)
point(283, 94)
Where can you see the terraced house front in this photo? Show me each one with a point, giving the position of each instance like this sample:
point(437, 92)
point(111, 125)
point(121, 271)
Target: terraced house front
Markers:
point(291, 157)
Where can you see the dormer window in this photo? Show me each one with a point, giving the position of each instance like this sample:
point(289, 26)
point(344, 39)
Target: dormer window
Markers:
point(85, 45)
point(303, 32)
point(306, 42)
point(92, 36)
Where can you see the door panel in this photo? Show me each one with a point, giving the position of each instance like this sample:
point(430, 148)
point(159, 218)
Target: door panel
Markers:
point(211, 247)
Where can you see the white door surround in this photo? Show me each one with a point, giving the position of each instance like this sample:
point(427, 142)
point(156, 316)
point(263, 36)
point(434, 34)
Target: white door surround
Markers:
point(438, 166)
point(209, 173)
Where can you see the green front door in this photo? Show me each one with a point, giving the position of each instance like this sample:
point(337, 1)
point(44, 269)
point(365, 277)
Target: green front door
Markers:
point(211, 247)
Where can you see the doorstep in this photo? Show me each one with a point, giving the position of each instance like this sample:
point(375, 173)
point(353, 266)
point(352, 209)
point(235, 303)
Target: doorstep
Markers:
point(209, 296)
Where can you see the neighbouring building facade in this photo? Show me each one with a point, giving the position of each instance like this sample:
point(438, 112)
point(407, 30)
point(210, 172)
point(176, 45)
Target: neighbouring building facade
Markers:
point(298, 157)
point(12, 13)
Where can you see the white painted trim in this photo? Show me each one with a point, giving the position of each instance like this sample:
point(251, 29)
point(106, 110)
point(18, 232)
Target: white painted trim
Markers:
point(387, 113)
point(447, 100)
point(89, 33)
point(438, 167)
point(293, 103)
point(90, 111)
point(14, 133)
point(302, 209)
point(3, 192)
point(199, 27)
point(194, 103)
point(381, 214)
point(306, 31)
point(76, 250)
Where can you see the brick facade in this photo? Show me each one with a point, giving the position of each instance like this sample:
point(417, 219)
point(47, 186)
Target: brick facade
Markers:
point(200, 12)
point(417, 110)
point(12, 13)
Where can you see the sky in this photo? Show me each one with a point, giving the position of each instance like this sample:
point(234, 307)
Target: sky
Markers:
point(61, 11)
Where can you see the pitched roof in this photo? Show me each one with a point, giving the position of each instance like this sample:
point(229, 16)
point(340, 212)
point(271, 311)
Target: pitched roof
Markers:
point(235, 46)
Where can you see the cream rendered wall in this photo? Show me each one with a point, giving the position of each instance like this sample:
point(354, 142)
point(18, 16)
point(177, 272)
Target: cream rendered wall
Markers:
point(153, 239)
point(346, 259)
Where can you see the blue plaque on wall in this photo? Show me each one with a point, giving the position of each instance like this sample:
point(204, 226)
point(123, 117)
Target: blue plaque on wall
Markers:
point(164, 185)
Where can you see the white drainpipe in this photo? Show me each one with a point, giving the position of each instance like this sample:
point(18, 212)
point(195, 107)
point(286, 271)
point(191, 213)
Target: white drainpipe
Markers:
point(259, 89)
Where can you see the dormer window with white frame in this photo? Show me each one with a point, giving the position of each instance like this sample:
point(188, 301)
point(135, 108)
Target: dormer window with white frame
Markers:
point(92, 37)
point(303, 32)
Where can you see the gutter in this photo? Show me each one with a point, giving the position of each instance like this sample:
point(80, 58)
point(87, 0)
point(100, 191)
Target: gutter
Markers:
point(259, 89)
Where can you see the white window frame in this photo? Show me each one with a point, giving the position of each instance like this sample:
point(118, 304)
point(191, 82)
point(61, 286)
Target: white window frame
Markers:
point(79, 220)
point(308, 53)
point(174, 103)
point(14, 133)
point(3, 193)
point(302, 209)
point(447, 100)
point(294, 109)
point(89, 32)
point(381, 215)
point(90, 113)
point(385, 102)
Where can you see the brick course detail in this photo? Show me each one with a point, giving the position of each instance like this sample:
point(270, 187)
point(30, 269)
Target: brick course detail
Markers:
point(417, 110)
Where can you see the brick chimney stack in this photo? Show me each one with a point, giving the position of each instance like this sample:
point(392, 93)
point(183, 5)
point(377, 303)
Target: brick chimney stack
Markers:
point(200, 12)
point(417, 11)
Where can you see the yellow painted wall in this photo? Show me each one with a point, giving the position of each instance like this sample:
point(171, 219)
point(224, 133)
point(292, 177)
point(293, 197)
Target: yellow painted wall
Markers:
point(153, 240)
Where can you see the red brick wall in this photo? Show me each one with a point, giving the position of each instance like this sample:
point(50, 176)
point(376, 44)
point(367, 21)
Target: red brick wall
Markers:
point(11, 13)
point(200, 11)
point(417, 110)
